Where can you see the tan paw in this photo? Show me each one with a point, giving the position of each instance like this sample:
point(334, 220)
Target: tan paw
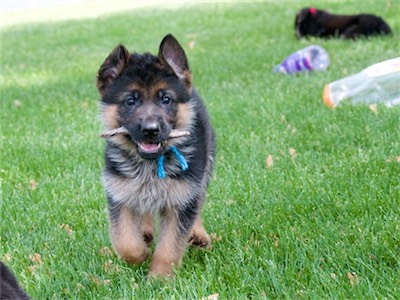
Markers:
point(161, 270)
point(200, 238)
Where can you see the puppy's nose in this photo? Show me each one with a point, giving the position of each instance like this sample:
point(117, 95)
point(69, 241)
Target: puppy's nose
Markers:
point(150, 129)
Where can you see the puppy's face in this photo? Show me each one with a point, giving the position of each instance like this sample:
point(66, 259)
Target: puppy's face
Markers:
point(146, 94)
point(306, 23)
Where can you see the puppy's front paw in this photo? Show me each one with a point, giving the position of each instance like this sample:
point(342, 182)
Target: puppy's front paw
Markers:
point(161, 270)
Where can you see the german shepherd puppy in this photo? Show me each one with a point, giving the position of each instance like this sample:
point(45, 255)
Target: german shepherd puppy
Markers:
point(319, 23)
point(146, 173)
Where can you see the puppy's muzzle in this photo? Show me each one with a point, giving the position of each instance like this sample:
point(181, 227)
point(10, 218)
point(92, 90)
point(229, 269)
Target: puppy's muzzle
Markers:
point(150, 129)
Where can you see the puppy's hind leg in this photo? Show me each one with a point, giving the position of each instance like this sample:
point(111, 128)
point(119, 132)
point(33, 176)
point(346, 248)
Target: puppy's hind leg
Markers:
point(352, 32)
point(126, 234)
point(148, 228)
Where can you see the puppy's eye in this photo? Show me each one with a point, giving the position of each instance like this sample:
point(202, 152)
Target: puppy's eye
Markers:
point(166, 99)
point(132, 99)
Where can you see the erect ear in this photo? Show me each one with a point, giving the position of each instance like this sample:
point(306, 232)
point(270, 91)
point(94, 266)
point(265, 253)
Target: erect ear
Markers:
point(112, 67)
point(172, 54)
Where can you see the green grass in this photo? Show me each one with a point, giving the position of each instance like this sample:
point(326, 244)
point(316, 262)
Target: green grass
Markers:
point(322, 224)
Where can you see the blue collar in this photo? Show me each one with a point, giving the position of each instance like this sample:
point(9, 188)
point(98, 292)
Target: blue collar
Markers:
point(179, 156)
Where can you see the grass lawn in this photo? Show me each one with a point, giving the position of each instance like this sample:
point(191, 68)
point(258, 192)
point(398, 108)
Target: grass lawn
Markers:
point(321, 222)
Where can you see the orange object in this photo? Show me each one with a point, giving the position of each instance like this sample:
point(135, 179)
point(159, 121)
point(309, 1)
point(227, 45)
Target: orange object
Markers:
point(326, 95)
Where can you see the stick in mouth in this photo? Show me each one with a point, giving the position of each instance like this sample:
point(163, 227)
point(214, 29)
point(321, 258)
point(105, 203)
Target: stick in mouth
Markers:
point(122, 130)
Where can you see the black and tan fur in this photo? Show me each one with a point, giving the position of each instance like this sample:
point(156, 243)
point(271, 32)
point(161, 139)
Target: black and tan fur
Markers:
point(320, 23)
point(149, 96)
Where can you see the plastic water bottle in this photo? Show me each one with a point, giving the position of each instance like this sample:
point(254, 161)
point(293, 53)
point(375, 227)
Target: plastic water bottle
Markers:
point(311, 58)
point(377, 84)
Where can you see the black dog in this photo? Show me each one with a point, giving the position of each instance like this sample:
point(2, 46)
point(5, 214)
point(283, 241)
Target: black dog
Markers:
point(320, 23)
point(9, 287)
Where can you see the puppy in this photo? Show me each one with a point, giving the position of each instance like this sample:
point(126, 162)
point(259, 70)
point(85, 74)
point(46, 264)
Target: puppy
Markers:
point(148, 171)
point(320, 23)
